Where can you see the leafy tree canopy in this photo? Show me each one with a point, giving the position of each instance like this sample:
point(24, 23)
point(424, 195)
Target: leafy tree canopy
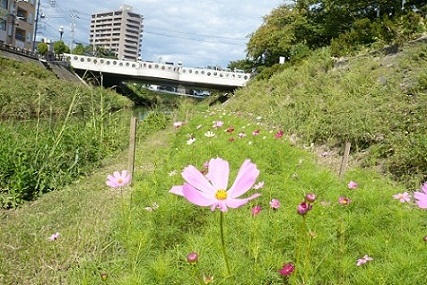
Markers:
point(59, 47)
point(291, 28)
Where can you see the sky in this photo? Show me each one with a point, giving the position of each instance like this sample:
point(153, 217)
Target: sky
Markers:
point(198, 33)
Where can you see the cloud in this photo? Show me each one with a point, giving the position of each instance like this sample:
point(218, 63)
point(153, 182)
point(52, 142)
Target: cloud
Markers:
point(197, 33)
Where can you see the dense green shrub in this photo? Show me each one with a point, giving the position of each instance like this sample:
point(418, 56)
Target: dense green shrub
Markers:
point(40, 156)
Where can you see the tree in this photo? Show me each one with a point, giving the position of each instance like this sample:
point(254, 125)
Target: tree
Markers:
point(243, 64)
point(42, 48)
point(59, 47)
point(284, 27)
point(79, 49)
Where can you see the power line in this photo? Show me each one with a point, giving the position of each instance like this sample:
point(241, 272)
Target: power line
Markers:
point(191, 39)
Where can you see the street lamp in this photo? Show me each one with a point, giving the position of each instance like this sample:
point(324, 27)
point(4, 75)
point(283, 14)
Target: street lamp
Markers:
point(61, 32)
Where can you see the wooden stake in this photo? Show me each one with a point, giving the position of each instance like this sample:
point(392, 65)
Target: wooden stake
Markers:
point(344, 161)
point(132, 144)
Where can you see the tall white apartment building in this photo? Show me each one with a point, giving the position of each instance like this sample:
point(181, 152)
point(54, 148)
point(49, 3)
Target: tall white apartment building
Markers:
point(118, 32)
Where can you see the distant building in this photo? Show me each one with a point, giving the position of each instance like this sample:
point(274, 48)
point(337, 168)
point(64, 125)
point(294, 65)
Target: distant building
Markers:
point(17, 19)
point(118, 32)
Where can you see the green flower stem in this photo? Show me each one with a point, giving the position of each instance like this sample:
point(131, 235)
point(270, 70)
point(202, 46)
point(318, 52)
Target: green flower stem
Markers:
point(221, 228)
point(196, 274)
point(300, 237)
point(307, 257)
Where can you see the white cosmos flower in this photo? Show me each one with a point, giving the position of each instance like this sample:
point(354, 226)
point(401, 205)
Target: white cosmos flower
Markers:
point(191, 141)
point(209, 134)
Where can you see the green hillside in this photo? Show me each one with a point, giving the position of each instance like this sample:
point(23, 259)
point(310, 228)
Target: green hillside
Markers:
point(377, 101)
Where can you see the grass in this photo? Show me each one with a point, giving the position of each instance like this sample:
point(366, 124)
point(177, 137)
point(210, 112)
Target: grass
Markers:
point(102, 231)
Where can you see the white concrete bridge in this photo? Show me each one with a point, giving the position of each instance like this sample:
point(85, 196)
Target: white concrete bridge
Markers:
point(158, 73)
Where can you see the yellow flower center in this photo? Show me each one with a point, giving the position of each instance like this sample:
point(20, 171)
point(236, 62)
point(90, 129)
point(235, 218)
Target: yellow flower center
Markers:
point(120, 181)
point(221, 194)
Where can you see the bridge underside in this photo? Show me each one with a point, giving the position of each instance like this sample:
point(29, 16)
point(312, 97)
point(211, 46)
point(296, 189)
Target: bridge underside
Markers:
point(110, 79)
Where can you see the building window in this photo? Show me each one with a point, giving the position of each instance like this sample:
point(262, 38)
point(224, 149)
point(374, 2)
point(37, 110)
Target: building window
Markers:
point(2, 25)
point(3, 4)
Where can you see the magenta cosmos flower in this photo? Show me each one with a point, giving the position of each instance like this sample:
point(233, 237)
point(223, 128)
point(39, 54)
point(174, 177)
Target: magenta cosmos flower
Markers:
point(211, 190)
point(118, 179)
point(256, 210)
point(421, 197)
point(287, 269)
point(303, 208)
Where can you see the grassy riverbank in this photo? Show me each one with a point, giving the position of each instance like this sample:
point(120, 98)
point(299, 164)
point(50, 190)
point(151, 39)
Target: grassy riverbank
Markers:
point(292, 127)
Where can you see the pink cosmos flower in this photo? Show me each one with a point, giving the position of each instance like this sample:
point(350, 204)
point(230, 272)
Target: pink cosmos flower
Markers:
point(211, 190)
point(287, 269)
point(118, 179)
point(54, 236)
point(217, 124)
point(256, 210)
point(421, 197)
point(275, 204)
point(363, 260)
point(176, 125)
point(241, 135)
point(402, 197)
point(352, 185)
point(256, 132)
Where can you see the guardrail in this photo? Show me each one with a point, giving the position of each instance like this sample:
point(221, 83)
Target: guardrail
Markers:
point(19, 51)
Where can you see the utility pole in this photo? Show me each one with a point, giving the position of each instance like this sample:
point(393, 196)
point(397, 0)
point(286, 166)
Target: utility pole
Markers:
point(73, 17)
point(36, 22)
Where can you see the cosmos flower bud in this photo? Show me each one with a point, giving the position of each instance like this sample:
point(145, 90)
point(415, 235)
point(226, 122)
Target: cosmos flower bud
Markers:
point(104, 276)
point(192, 257)
point(310, 197)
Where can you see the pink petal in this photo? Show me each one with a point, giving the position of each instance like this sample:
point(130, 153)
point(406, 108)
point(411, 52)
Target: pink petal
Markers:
point(111, 181)
point(235, 203)
point(219, 171)
point(177, 190)
point(422, 199)
point(116, 175)
point(195, 178)
point(197, 197)
point(246, 177)
point(219, 205)
point(422, 204)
